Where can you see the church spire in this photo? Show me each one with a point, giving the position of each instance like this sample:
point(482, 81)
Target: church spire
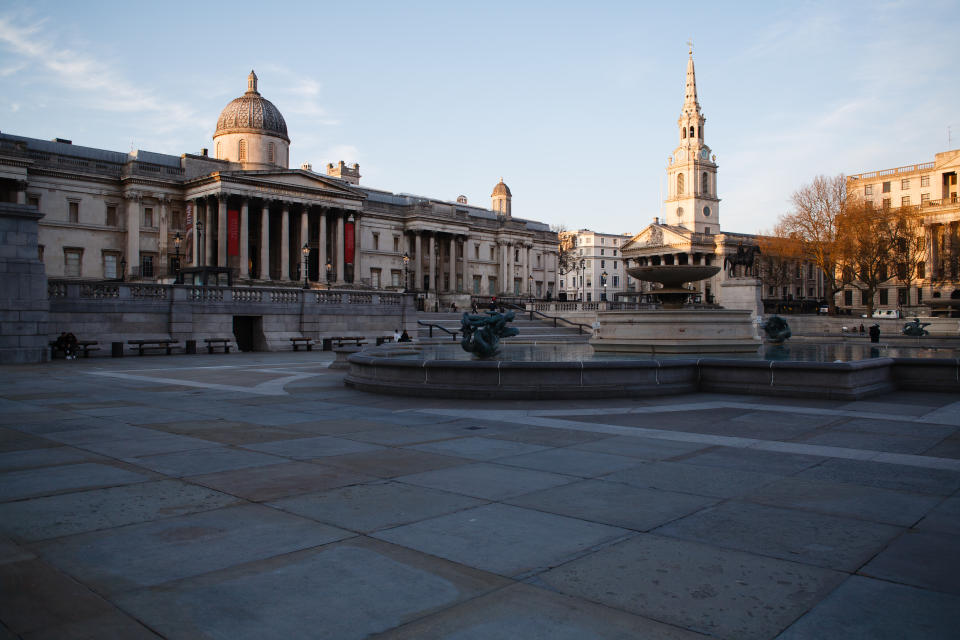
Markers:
point(690, 102)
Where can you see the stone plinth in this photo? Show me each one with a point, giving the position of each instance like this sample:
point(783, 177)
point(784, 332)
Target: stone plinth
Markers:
point(742, 293)
point(24, 308)
point(669, 331)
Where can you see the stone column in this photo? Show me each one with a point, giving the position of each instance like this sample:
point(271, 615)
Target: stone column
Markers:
point(23, 288)
point(245, 239)
point(285, 242)
point(465, 266)
point(418, 264)
point(195, 248)
point(304, 238)
point(222, 230)
point(207, 233)
point(433, 262)
point(357, 246)
point(163, 232)
point(452, 264)
point(265, 240)
point(340, 248)
point(323, 244)
point(133, 233)
point(22, 191)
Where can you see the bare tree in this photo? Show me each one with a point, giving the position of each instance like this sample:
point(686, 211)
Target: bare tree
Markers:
point(566, 247)
point(905, 233)
point(781, 254)
point(862, 234)
point(814, 222)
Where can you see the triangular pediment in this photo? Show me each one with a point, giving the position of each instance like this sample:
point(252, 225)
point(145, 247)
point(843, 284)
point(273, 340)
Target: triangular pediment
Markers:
point(659, 235)
point(298, 178)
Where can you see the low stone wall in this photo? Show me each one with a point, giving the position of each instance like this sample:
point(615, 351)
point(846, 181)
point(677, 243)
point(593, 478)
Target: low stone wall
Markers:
point(374, 370)
point(817, 325)
point(116, 312)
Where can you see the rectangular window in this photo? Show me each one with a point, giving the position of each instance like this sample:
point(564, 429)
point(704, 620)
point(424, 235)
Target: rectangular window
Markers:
point(603, 264)
point(71, 262)
point(810, 292)
point(110, 266)
point(924, 198)
point(33, 201)
point(615, 242)
point(901, 296)
point(396, 278)
point(492, 285)
point(73, 211)
point(111, 220)
point(476, 252)
point(375, 278)
point(706, 229)
point(886, 187)
point(921, 270)
point(146, 266)
point(376, 241)
point(868, 190)
point(40, 252)
point(601, 251)
point(884, 297)
point(148, 217)
point(614, 252)
point(176, 220)
point(905, 183)
point(905, 201)
point(615, 264)
point(886, 203)
point(924, 181)
point(848, 298)
point(493, 253)
point(919, 295)
point(396, 244)
point(477, 281)
point(616, 281)
point(589, 297)
point(561, 284)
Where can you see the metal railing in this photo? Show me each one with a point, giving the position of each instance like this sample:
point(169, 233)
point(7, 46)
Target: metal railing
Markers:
point(432, 326)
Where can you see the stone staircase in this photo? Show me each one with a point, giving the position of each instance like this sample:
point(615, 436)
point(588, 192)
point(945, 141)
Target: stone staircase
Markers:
point(539, 330)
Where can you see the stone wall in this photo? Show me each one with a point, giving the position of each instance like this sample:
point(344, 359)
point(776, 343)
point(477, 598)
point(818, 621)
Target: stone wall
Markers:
point(23, 287)
point(116, 312)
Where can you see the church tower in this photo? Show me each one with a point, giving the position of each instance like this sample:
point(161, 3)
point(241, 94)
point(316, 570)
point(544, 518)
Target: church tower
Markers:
point(692, 200)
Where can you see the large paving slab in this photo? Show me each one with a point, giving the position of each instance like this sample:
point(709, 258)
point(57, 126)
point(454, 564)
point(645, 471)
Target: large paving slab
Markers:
point(68, 514)
point(15, 485)
point(689, 478)
point(488, 481)
point(156, 552)
point(923, 559)
point(614, 504)
point(503, 539)
point(812, 538)
point(369, 507)
point(344, 591)
point(729, 594)
point(278, 481)
point(523, 611)
point(866, 609)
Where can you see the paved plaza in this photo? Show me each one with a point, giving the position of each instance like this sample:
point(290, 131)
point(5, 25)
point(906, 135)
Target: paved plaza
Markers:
point(255, 496)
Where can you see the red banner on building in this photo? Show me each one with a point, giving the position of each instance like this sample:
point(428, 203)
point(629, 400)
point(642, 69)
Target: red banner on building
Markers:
point(348, 243)
point(233, 232)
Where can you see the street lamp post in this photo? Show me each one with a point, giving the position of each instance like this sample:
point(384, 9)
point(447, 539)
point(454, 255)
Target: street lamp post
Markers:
point(306, 257)
point(530, 293)
point(329, 268)
point(177, 239)
point(406, 264)
point(603, 281)
point(123, 269)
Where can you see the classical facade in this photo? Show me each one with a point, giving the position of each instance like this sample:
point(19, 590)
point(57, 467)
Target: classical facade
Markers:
point(595, 266)
point(145, 216)
point(931, 186)
point(690, 233)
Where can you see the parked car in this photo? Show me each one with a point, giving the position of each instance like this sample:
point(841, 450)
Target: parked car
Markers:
point(886, 313)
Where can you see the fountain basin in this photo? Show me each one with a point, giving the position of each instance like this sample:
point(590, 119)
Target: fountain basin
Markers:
point(427, 373)
point(669, 331)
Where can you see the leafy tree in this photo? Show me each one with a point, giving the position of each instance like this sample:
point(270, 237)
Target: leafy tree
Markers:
point(905, 234)
point(780, 253)
point(863, 237)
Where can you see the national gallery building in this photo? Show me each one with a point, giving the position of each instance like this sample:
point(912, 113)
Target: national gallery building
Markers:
point(144, 216)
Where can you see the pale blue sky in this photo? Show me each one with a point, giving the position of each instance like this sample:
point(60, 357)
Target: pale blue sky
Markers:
point(574, 104)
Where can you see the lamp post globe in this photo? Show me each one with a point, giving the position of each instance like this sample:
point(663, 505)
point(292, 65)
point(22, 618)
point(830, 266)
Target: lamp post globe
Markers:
point(177, 239)
point(603, 282)
point(329, 268)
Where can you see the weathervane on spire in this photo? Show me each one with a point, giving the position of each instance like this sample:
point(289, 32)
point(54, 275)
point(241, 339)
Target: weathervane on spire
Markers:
point(690, 45)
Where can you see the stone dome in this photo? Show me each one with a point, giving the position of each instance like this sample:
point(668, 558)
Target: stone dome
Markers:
point(501, 190)
point(252, 113)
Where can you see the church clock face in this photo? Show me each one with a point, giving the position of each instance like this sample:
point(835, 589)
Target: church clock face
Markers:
point(706, 211)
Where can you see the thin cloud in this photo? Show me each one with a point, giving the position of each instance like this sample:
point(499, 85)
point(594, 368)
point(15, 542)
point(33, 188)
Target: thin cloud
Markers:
point(97, 85)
